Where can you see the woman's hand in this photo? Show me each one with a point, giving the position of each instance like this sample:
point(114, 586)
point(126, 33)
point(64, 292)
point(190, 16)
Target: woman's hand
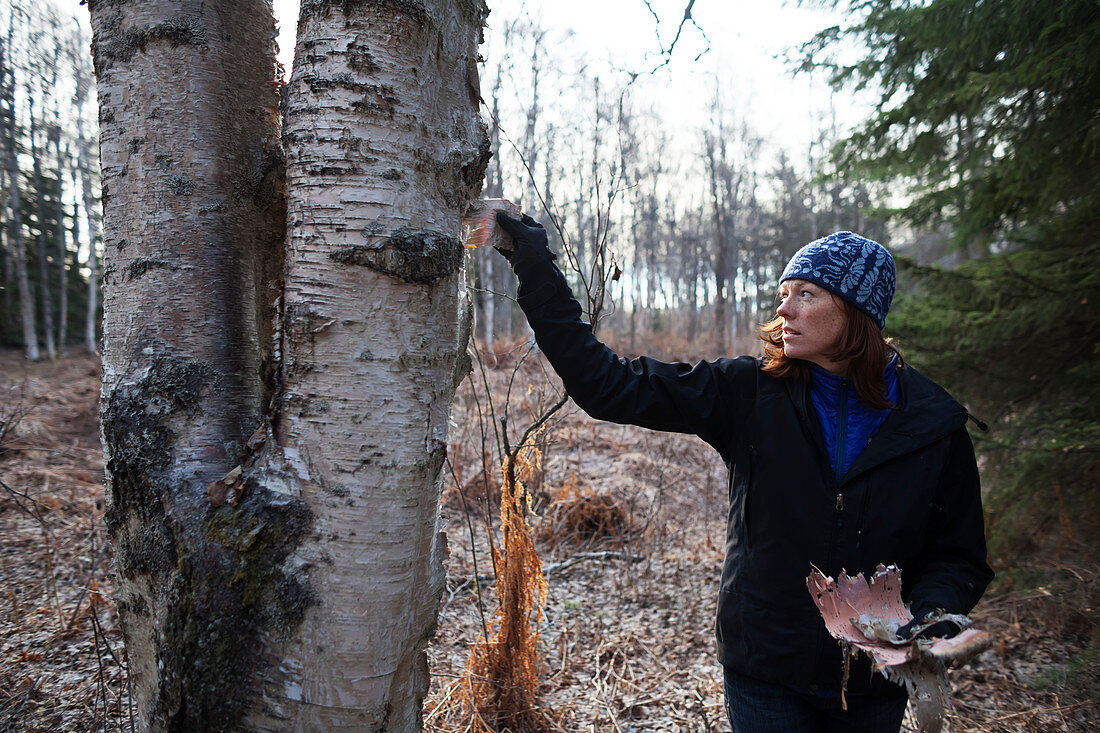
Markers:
point(944, 629)
point(529, 237)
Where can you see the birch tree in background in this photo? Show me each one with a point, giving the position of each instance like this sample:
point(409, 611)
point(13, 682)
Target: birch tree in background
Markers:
point(274, 445)
point(86, 163)
point(41, 199)
point(44, 57)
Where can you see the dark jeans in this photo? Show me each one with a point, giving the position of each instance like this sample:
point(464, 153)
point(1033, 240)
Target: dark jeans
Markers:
point(764, 707)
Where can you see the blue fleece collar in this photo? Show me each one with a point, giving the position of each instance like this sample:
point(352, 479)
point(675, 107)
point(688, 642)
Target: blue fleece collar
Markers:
point(847, 425)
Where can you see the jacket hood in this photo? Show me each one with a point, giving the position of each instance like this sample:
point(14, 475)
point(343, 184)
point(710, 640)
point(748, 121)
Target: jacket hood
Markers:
point(926, 413)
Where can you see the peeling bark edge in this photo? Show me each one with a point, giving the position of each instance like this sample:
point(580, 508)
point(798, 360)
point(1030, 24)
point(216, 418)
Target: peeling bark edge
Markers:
point(418, 256)
point(139, 267)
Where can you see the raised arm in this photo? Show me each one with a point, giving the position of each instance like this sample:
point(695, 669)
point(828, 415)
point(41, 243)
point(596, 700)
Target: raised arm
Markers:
point(704, 399)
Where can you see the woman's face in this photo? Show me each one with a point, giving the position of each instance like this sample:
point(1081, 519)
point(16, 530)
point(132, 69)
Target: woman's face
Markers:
point(813, 320)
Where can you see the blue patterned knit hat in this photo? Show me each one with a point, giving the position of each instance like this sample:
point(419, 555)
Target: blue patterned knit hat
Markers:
point(853, 267)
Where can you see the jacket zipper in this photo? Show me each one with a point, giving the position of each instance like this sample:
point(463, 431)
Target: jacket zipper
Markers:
point(859, 518)
point(838, 462)
point(841, 428)
point(745, 498)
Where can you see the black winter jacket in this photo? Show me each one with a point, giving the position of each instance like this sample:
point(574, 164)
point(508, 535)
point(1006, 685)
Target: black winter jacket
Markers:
point(911, 498)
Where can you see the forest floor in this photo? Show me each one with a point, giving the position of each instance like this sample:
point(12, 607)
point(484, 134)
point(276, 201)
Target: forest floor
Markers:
point(629, 527)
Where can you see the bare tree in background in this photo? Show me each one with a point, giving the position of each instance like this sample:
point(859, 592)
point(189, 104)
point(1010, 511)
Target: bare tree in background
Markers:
point(725, 189)
point(45, 302)
point(87, 166)
point(16, 235)
point(45, 56)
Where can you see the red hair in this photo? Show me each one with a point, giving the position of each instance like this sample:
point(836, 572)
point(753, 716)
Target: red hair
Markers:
point(861, 344)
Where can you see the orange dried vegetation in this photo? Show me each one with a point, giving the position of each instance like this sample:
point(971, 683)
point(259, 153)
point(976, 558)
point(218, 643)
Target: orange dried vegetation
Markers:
point(502, 673)
point(580, 516)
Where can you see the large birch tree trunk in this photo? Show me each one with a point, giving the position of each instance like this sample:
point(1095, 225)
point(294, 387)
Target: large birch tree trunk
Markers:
point(277, 539)
point(193, 225)
point(385, 149)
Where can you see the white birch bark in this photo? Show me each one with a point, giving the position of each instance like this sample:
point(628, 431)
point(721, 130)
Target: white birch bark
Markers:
point(299, 592)
point(84, 162)
point(384, 150)
point(45, 300)
point(193, 226)
point(61, 242)
point(491, 275)
point(53, 141)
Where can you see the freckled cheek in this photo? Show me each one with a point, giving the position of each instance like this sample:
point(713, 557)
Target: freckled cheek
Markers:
point(837, 327)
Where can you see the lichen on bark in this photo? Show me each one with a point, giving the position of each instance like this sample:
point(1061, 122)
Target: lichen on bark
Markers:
point(230, 594)
point(457, 176)
point(411, 8)
point(121, 44)
point(220, 588)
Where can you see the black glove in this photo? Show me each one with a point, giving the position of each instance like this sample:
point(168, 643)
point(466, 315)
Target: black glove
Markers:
point(531, 243)
point(938, 630)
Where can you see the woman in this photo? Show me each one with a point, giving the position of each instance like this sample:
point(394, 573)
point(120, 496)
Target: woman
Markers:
point(840, 457)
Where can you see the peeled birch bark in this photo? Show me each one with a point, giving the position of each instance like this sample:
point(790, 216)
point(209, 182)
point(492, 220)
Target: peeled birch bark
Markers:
point(384, 149)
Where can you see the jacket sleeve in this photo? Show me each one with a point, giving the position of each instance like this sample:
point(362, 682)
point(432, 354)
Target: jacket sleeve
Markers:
point(676, 397)
point(953, 573)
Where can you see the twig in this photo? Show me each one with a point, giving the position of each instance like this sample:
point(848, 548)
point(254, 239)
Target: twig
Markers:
point(484, 464)
point(579, 557)
point(27, 696)
point(701, 708)
point(582, 556)
point(84, 588)
point(473, 551)
point(33, 511)
point(1035, 711)
point(97, 629)
point(101, 683)
point(666, 54)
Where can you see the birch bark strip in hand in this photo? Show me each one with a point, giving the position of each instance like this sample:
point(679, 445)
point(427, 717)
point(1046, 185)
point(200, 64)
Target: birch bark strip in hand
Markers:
point(480, 228)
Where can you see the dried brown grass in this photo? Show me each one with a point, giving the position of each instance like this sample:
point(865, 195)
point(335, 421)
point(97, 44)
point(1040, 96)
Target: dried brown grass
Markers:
point(580, 516)
point(673, 344)
point(61, 662)
point(505, 353)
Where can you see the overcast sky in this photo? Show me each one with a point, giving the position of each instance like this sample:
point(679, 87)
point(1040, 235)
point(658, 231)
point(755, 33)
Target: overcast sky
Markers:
point(746, 38)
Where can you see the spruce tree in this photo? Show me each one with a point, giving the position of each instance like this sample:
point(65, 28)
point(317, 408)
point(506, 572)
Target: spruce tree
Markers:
point(988, 121)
